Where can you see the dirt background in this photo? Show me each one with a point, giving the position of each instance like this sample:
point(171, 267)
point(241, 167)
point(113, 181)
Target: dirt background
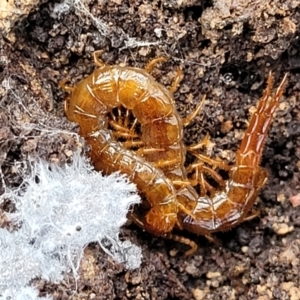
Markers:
point(225, 49)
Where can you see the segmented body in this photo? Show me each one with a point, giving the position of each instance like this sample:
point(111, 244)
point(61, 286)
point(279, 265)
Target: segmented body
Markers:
point(152, 104)
point(109, 87)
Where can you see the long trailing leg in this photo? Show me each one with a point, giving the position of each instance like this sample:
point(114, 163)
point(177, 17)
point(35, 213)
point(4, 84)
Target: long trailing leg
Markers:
point(253, 142)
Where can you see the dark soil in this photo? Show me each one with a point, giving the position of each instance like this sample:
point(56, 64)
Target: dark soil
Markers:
point(225, 53)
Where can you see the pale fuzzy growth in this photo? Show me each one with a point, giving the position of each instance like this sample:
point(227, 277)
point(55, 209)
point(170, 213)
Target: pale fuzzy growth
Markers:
point(20, 262)
point(64, 209)
point(60, 212)
point(24, 293)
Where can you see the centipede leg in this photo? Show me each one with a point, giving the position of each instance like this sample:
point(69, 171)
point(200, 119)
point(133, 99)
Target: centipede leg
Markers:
point(202, 144)
point(138, 221)
point(215, 163)
point(124, 135)
point(203, 169)
point(213, 239)
point(150, 65)
point(181, 183)
point(124, 127)
point(117, 126)
point(188, 119)
point(176, 82)
point(98, 62)
point(126, 120)
point(132, 144)
point(177, 238)
point(198, 178)
point(143, 151)
point(166, 163)
point(141, 223)
point(252, 215)
point(66, 87)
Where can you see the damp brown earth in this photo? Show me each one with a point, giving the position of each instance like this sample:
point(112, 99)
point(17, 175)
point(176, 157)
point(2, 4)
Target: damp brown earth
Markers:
point(225, 49)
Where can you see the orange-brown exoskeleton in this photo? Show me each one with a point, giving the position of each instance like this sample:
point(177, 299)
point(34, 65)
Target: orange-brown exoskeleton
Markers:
point(157, 167)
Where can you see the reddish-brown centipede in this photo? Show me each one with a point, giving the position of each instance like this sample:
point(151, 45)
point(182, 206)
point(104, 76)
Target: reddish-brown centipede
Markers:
point(158, 166)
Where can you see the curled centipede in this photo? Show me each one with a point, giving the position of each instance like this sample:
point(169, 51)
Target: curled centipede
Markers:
point(157, 167)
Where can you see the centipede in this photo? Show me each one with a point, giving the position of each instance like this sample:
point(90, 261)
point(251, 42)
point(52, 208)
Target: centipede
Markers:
point(154, 158)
